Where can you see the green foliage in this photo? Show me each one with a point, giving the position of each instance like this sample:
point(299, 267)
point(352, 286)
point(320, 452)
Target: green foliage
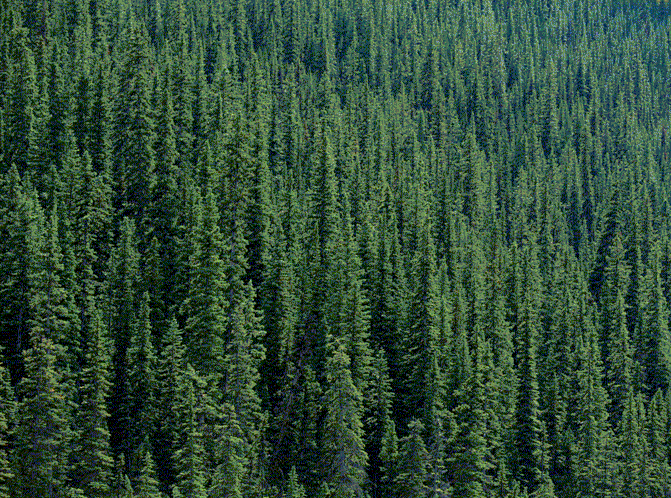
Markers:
point(345, 457)
point(43, 422)
point(334, 249)
point(93, 464)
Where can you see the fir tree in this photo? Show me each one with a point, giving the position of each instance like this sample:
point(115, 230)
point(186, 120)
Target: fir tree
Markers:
point(142, 379)
point(528, 437)
point(412, 465)
point(133, 148)
point(93, 465)
point(189, 453)
point(43, 429)
point(7, 422)
point(344, 452)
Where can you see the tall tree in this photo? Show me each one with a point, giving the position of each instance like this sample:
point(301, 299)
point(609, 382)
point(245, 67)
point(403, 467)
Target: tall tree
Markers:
point(43, 429)
point(134, 137)
point(344, 452)
point(7, 423)
point(92, 460)
point(529, 429)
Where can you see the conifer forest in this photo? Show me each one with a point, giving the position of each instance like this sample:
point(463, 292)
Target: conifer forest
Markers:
point(335, 249)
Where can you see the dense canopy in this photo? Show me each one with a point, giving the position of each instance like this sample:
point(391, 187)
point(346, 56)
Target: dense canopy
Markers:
point(335, 248)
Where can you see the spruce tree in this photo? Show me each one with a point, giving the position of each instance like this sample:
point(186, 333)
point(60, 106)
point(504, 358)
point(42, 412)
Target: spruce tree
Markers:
point(147, 485)
point(654, 342)
point(244, 354)
point(142, 380)
point(92, 460)
point(594, 472)
point(344, 453)
point(528, 433)
point(189, 453)
point(170, 378)
point(469, 454)
point(205, 304)
point(294, 488)
point(412, 464)
point(7, 423)
point(631, 449)
point(43, 422)
point(229, 474)
point(615, 334)
point(134, 137)
point(657, 468)
point(424, 386)
point(123, 316)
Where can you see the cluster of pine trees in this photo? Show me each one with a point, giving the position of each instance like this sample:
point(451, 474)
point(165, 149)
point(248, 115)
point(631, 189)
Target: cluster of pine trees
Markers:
point(335, 248)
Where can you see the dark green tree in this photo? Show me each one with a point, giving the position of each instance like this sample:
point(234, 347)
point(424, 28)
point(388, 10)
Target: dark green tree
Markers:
point(92, 467)
point(42, 434)
point(345, 457)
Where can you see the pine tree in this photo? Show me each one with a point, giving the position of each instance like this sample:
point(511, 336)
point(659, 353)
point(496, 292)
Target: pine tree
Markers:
point(631, 449)
point(43, 422)
point(164, 214)
point(528, 437)
point(412, 465)
point(133, 149)
point(244, 354)
point(18, 101)
point(260, 208)
point(615, 334)
point(344, 453)
point(205, 304)
point(15, 240)
point(655, 342)
point(7, 423)
point(147, 485)
point(93, 463)
point(123, 313)
point(594, 448)
point(189, 453)
point(142, 380)
point(470, 457)
point(657, 465)
point(424, 385)
point(229, 474)
point(294, 488)
point(170, 378)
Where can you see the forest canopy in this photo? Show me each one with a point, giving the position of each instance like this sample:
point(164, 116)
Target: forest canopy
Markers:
point(335, 248)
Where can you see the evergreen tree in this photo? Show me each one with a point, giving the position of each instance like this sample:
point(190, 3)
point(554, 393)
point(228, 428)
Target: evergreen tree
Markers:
point(93, 465)
point(631, 449)
point(205, 302)
point(344, 453)
point(615, 334)
point(594, 447)
point(43, 422)
point(655, 344)
point(228, 477)
point(294, 488)
point(188, 456)
point(244, 354)
point(142, 380)
point(657, 465)
point(424, 384)
point(469, 459)
point(147, 485)
point(412, 465)
point(170, 378)
point(528, 437)
point(122, 317)
point(133, 148)
point(7, 422)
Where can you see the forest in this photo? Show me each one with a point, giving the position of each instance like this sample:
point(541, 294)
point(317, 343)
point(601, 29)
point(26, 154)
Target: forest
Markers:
point(335, 249)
